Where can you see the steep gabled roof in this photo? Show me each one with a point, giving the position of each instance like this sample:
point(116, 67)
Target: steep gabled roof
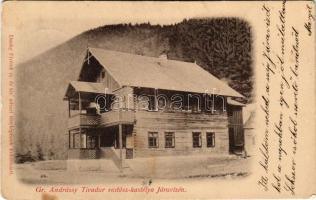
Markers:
point(89, 87)
point(230, 101)
point(84, 87)
point(151, 72)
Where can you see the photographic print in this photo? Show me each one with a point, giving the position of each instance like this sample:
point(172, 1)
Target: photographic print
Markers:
point(181, 100)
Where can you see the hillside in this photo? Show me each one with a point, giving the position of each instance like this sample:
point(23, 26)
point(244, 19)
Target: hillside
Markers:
point(222, 46)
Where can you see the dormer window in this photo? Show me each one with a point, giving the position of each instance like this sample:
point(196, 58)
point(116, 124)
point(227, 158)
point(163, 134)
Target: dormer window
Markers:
point(102, 74)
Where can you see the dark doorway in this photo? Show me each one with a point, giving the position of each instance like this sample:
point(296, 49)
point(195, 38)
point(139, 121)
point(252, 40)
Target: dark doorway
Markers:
point(110, 136)
point(107, 137)
point(231, 140)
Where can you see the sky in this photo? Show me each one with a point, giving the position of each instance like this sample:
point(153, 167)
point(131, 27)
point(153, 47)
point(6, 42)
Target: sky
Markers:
point(39, 26)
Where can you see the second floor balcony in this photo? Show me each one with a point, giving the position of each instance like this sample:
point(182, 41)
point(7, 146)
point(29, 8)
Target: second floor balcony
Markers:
point(105, 119)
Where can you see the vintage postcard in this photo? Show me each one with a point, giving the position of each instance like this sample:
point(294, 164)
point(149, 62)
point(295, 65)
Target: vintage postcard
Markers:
point(158, 100)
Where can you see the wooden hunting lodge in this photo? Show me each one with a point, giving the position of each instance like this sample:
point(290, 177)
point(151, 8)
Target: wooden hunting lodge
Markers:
point(137, 106)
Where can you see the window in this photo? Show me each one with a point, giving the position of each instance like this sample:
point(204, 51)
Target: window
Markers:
point(91, 141)
point(147, 102)
point(153, 139)
point(210, 139)
point(194, 103)
point(169, 140)
point(83, 141)
point(76, 140)
point(197, 140)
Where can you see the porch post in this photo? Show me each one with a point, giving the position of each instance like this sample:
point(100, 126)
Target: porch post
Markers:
point(121, 146)
point(74, 140)
point(79, 118)
point(68, 107)
point(86, 138)
point(99, 141)
point(120, 141)
point(156, 100)
point(69, 140)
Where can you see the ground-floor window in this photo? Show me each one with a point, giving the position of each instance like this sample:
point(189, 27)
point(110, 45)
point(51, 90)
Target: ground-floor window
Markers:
point(169, 140)
point(83, 141)
point(76, 140)
point(153, 139)
point(210, 139)
point(197, 139)
point(91, 141)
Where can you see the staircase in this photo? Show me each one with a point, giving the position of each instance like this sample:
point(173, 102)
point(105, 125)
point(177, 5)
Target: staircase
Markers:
point(114, 155)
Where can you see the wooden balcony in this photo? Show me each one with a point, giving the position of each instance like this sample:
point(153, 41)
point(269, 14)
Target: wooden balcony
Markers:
point(83, 120)
point(116, 117)
point(110, 118)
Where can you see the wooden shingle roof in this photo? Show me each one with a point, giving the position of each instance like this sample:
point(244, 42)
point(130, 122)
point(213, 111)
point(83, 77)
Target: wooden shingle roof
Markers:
point(84, 87)
point(160, 73)
point(88, 87)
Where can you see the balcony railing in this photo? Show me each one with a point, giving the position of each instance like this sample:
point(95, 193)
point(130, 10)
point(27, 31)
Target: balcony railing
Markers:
point(115, 117)
point(104, 119)
point(83, 120)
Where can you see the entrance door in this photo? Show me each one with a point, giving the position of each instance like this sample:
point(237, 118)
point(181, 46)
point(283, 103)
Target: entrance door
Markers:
point(236, 139)
point(107, 137)
point(236, 132)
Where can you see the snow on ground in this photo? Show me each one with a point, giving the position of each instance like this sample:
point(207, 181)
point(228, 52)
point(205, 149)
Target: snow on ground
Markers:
point(180, 167)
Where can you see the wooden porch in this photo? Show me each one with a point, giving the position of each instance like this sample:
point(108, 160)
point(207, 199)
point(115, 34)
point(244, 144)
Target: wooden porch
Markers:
point(112, 142)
